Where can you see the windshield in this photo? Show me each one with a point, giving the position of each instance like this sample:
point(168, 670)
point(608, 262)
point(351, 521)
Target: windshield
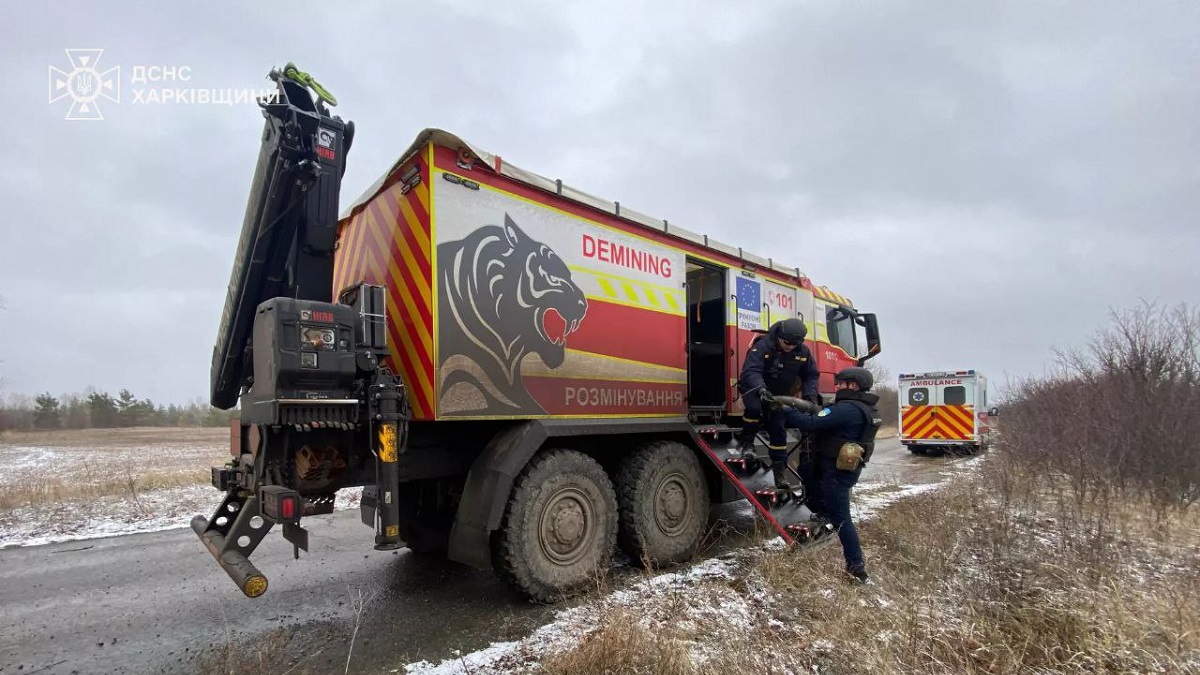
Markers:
point(840, 325)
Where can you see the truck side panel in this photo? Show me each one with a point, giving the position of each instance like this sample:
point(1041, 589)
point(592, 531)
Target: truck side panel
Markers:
point(542, 312)
point(387, 242)
point(596, 326)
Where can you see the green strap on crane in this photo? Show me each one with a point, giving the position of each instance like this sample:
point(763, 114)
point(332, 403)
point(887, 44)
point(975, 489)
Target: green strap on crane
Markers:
point(293, 73)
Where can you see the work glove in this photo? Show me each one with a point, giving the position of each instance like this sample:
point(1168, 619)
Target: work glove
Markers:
point(767, 398)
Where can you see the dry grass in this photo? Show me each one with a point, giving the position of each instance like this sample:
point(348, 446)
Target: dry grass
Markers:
point(93, 484)
point(100, 439)
point(52, 468)
point(269, 654)
point(623, 645)
point(963, 584)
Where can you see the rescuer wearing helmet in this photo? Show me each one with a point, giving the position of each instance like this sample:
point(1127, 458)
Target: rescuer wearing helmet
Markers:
point(774, 363)
point(843, 440)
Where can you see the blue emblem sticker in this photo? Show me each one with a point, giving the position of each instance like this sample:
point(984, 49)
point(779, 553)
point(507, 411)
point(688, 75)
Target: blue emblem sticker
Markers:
point(824, 412)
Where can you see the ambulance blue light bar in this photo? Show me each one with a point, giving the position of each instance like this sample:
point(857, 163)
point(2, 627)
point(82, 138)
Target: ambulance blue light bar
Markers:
point(939, 373)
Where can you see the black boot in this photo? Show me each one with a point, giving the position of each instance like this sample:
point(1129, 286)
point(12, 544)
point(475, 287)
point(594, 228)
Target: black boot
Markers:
point(746, 447)
point(780, 469)
point(858, 575)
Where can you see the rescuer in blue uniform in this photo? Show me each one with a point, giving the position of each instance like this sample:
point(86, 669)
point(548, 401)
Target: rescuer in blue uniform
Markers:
point(774, 363)
point(843, 440)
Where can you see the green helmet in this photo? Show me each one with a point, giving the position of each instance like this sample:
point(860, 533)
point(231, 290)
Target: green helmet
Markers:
point(861, 376)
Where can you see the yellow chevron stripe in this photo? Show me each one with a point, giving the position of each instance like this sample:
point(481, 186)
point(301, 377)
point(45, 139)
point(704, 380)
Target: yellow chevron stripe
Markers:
point(652, 297)
point(422, 381)
point(421, 280)
point(395, 337)
point(960, 420)
point(342, 260)
point(633, 292)
point(401, 289)
point(926, 429)
point(358, 244)
point(422, 192)
point(414, 223)
point(388, 275)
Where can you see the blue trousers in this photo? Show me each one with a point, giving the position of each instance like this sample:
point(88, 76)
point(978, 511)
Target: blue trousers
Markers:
point(828, 490)
point(775, 424)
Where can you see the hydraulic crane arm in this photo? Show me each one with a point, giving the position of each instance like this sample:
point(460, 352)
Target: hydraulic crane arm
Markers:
point(290, 228)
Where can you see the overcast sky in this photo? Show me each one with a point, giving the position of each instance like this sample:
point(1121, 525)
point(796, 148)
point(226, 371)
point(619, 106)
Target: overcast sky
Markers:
point(990, 178)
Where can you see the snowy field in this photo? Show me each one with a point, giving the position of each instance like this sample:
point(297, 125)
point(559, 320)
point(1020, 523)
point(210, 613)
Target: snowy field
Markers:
point(68, 485)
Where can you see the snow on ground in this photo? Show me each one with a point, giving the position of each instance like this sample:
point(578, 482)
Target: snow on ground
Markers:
point(152, 511)
point(696, 596)
point(96, 485)
point(674, 598)
point(23, 463)
point(687, 599)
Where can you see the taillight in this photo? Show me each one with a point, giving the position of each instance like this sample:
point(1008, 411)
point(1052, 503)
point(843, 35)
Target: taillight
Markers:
point(279, 504)
point(287, 508)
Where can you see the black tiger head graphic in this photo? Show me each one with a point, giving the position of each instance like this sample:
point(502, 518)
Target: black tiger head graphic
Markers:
point(502, 296)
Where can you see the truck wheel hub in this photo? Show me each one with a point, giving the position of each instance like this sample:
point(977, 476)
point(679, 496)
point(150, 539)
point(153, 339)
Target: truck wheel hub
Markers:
point(565, 526)
point(671, 500)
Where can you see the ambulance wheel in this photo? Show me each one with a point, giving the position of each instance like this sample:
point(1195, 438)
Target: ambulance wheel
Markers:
point(663, 497)
point(559, 528)
point(916, 449)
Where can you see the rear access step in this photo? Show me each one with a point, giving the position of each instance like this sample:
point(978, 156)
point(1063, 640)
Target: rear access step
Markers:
point(231, 535)
point(783, 510)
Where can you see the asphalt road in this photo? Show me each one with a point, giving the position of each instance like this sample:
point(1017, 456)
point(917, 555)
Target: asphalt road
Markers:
point(158, 603)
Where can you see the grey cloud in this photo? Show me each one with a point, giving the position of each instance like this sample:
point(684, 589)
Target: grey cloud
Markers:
point(989, 177)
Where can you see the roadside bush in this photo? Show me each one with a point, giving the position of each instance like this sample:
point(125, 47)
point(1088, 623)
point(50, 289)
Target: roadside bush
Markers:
point(1118, 419)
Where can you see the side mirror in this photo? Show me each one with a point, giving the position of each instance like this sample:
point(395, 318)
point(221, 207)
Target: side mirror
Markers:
point(871, 326)
point(993, 412)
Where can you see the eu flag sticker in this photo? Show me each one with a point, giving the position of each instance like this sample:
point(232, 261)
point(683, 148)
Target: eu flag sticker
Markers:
point(749, 295)
point(749, 303)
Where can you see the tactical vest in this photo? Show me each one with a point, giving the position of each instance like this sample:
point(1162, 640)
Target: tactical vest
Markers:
point(828, 444)
point(781, 370)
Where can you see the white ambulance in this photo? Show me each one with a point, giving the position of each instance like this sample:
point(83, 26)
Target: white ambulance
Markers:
point(944, 410)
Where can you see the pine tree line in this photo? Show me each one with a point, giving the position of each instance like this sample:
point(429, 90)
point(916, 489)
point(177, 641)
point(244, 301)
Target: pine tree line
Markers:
point(101, 410)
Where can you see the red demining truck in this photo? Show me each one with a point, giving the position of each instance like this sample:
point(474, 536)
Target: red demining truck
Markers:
point(518, 375)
